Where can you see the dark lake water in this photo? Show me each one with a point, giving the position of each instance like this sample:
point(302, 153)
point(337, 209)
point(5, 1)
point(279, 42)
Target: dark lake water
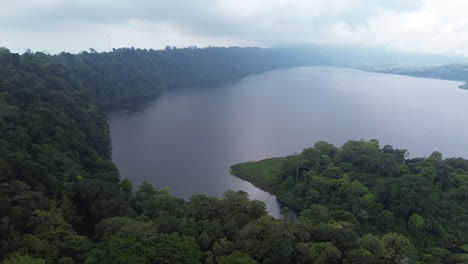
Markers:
point(188, 138)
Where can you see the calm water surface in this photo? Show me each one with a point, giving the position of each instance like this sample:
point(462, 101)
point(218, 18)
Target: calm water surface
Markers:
point(188, 138)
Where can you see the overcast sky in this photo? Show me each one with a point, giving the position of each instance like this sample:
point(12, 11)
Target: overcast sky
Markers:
point(427, 26)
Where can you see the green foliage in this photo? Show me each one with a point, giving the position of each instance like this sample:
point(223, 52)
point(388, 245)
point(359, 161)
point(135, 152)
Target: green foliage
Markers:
point(324, 252)
point(175, 249)
point(23, 260)
point(416, 222)
point(266, 241)
point(236, 258)
point(392, 207)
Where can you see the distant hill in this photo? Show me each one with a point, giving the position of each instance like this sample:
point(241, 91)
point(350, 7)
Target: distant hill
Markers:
point(391, 61)
point(353, 54)
point(454, 72)
point(128, 73)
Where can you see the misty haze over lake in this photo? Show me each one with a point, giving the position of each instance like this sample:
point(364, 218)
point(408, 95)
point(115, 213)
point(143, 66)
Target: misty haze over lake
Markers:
point(187, 139)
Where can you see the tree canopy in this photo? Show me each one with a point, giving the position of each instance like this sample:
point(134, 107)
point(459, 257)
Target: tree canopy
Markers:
point(386, 205)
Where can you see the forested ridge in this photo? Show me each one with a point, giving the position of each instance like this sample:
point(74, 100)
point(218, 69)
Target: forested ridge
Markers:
point(416, 206)
point(62, 199)
point(130, 73)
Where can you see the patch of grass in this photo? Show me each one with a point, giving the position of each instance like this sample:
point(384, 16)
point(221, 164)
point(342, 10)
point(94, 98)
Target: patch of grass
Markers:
point(263, 174)
point(465, 247)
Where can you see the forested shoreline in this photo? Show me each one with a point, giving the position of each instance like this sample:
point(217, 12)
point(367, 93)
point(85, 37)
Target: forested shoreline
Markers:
point(375, 191)
point(62, 199)
point(130, 73)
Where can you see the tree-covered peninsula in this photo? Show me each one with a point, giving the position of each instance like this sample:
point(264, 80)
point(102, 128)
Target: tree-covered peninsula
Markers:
point(378, 194)
point(62, 199)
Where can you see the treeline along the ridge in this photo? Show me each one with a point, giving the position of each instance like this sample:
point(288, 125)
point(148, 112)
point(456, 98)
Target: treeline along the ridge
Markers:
point(131, 73)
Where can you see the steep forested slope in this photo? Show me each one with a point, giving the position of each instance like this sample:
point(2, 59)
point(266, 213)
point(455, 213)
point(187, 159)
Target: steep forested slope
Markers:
point(130, 73)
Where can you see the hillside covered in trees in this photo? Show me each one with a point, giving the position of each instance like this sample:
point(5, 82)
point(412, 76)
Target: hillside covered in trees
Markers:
point(130, 73)
point(376, 192)
point(58, 183)
point(62, 200)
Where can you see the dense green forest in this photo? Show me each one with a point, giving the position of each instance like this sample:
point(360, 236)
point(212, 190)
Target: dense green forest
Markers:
point(379, 195)
point(129, 73)
point(62, 199)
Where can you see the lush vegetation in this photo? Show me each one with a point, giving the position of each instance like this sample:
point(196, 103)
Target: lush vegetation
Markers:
point(465, 86)
point(375, 193)
point(62, 200)
point(130, 73)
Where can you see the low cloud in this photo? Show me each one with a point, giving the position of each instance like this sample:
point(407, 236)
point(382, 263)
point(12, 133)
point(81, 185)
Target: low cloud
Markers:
point(429, 26)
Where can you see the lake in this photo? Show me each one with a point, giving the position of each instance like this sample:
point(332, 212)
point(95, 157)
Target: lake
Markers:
point(188, 138)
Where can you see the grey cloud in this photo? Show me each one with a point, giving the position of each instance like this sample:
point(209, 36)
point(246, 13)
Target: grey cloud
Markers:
point(232, 22)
